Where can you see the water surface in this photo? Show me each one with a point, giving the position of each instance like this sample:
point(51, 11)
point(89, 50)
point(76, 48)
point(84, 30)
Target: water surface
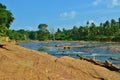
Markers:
point(98, 50)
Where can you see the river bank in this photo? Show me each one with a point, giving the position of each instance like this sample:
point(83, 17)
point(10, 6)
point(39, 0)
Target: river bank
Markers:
point(19, 63)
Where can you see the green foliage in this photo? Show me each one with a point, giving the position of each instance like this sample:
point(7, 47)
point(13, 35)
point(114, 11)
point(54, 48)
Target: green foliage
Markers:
point(3, 30)
point(6, 18)
point(42, 27)
point(33, 35)
point(108, 31)
point(43, 33)
point(10, 33)
point(18, 34)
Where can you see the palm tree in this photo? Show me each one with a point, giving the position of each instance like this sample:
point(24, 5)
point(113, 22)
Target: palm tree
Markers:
point(119, 23)
point(87, 23)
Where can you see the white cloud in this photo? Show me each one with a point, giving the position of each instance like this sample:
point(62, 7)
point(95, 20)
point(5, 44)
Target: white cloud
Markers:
point(77, 24)
point(114, 3)
point(96, 2)
point(68, 15)
point(107, 3)
point(65, 14)
point(27, 28)
point(91, 21)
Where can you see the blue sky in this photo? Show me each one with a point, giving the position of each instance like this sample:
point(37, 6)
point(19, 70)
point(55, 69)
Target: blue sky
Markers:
point(61, 13)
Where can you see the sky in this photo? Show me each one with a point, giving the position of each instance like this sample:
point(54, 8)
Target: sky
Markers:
point(60, 13)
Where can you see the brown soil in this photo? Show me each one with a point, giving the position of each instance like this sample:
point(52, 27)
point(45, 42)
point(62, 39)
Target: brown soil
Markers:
point(18, 63)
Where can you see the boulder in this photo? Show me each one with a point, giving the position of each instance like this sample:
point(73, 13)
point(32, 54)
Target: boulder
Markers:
point(19, 63)
point(114, 48)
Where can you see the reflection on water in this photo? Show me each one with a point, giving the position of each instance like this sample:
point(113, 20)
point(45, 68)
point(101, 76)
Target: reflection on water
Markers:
point(87, 49)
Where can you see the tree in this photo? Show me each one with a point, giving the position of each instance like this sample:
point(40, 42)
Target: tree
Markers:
point(113, 22)
point(3, 30)
point(24, 33)
point(42, 27)
point(61, 34)
point(113, 26)
point(81, 32)
point(43, 33)
point(119, 22)
point(75, 32)
point(33, 35)
point(87, 23)
point(58, 30)
point(6, 18)
point(52, 32)
point(93, 29)
point(106, 27)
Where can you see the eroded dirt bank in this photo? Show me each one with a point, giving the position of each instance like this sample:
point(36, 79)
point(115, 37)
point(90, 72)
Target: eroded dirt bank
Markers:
point(18, 63)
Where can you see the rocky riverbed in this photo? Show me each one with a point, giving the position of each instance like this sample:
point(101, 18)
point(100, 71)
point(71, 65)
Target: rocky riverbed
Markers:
point(19, 63)
point(114, 48)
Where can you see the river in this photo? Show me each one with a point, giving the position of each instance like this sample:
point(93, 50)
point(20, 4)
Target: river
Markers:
point(99, 50)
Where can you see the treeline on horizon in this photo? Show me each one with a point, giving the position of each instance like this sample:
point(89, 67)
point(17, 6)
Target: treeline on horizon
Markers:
point(107, 31)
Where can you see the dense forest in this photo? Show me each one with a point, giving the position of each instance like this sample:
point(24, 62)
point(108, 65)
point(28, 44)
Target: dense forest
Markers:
point(107, 31)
